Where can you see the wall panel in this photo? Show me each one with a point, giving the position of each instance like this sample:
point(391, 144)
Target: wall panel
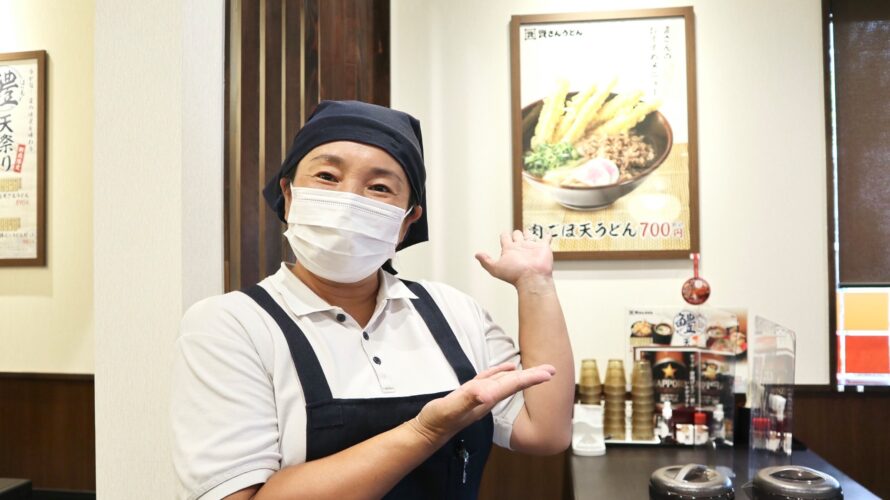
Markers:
point(47, 430)
point(283, 57)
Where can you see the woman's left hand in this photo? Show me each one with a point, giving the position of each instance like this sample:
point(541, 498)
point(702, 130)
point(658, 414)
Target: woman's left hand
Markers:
point(522, 256)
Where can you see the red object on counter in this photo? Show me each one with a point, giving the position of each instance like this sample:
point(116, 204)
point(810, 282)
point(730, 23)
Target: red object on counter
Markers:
point(760, 423)
point(701, 418)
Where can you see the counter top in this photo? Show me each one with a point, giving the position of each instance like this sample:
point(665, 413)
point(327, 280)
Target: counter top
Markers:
point(15, 489)
point(623, 472)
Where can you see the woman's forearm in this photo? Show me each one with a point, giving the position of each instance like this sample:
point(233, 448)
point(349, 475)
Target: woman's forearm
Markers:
point(544, 425)
point(368, 469)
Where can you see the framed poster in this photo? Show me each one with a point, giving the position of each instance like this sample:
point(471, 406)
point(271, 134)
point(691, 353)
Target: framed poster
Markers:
point(604, 132)
point(22, 159)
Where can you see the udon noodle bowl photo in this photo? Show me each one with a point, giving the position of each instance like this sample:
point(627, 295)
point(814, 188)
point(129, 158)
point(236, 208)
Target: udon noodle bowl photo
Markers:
point(589, 148)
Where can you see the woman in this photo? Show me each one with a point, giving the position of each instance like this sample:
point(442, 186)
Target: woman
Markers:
point(332, 378)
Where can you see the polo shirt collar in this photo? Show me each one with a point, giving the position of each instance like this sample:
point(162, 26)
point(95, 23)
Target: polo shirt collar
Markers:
point(393, 288)
point(303, 301)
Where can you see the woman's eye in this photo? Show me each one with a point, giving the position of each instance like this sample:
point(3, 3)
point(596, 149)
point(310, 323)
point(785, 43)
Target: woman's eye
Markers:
point(381, 188)
point(325, 176)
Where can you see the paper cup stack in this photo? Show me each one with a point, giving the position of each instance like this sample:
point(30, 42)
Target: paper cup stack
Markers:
point(642, 393)
point(590, 390)
point(615, 388)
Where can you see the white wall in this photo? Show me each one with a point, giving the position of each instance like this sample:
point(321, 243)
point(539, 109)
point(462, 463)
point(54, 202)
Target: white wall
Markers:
point(761, 165)
point(158, 220)
point(47, 312)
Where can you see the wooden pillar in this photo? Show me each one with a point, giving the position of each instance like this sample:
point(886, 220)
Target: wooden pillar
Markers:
point(283, 57)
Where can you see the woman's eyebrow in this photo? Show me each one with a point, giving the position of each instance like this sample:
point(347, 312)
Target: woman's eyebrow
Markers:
point(338, 161)
point(328, 158)
point(384, 172)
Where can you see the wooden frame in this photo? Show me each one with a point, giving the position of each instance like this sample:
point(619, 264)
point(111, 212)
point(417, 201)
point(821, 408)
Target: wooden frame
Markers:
point(23, 159)
point(833, 337)
point(651, 210)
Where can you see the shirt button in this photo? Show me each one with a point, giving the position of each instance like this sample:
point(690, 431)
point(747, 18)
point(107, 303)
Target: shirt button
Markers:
point(365, 335)
point(341, 317)
point(376, 360)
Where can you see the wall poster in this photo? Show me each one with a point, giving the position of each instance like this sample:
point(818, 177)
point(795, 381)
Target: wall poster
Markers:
point(604, 132)
point(719, 334)
point(22, 160)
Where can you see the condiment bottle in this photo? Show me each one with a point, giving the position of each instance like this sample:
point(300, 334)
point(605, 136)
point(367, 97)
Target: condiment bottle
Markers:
point(700, 429)
point(665, 424)
point(759, 433)
point(684, 424)
point(718, 430)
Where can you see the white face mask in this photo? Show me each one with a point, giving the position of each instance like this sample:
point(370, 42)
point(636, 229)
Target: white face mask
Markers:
point(340, 236)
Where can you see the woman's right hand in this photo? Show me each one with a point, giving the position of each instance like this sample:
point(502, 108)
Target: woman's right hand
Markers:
point(443, 417)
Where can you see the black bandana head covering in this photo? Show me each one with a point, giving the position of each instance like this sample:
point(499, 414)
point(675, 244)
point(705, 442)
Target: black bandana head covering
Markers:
point(393, 131)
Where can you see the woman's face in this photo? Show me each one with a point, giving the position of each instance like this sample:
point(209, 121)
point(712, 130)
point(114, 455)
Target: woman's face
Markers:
point(355, 168)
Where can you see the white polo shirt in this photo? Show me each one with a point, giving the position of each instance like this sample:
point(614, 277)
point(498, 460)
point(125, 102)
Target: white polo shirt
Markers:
point(237, 405)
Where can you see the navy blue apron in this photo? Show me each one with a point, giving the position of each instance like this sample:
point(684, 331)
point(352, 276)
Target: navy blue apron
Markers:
point(452, 472)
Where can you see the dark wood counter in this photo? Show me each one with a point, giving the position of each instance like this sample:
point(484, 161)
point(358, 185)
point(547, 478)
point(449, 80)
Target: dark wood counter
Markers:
point(15, 489)
point(623, 472)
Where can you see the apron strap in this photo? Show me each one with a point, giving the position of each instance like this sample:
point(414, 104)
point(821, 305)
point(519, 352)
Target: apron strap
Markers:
point(442, 332)
point(315, 385)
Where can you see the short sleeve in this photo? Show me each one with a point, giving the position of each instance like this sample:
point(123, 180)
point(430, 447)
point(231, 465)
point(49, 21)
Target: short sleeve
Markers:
point(501, 348)
point(225, 430)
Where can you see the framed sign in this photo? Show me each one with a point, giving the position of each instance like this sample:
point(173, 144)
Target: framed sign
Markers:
point(22, 159)
point(604, 132)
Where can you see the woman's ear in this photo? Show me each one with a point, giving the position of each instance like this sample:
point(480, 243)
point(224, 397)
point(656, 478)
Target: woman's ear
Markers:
point(284, 182)
point(412, 217)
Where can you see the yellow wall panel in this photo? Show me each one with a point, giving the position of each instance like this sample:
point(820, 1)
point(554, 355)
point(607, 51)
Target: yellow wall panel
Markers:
point(865, 311)
point(46, 313)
